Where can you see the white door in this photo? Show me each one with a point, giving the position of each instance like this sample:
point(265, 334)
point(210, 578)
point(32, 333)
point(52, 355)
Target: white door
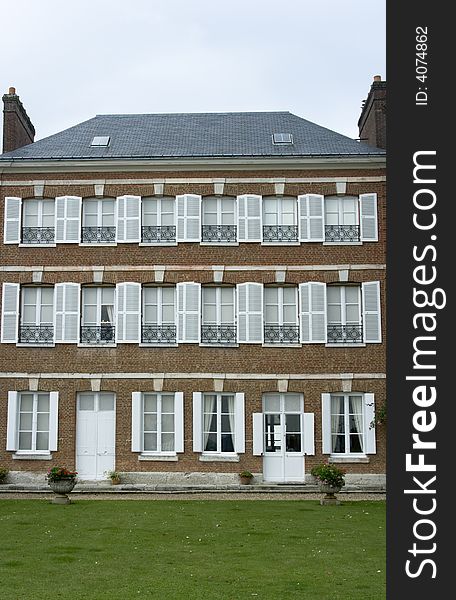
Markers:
point(95, 435)
point(283, 440)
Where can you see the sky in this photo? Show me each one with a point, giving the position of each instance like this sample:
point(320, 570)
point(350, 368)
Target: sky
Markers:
point(70, 61)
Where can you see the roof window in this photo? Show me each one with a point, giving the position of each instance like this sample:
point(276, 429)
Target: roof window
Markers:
point(282, 138)
point(100, 140)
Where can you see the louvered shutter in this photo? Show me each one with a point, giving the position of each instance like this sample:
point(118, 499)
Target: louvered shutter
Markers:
point(372, 328)
point(311, 218)
point(11, 430)
point(309, 434)
point(128, 219)
point(369, 432)
point(12, 227)
point(68, 219)
point(239, 421)
point(188, 218)
point(258, 434)
point(368, 217)
point(197, 422)
point(249, 218)
point(179, 421)
point(188, 312)
point(312, 307)
point(128, 312)
point(53, 421)
point(136, 422)
point(250, 313)
point(67, 301)
point(326, 423)
point(10, 313)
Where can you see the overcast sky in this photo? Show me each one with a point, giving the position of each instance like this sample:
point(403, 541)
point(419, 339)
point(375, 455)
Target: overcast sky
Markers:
point(72, 60)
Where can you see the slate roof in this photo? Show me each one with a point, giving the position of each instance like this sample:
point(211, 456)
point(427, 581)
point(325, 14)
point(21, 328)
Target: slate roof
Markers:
point(193, 135)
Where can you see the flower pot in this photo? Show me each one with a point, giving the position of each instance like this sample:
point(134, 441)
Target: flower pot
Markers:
point(330, 492)
point(61, 488)
point(115, 480)
point(246, 480)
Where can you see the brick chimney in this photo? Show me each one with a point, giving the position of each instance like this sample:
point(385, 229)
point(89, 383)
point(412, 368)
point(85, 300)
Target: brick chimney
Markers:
point(18, 130)
point(372, 122)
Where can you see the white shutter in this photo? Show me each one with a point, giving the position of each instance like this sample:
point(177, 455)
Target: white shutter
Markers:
point(309, 434)
point(12, 227)
point(10, 313)
point(128, 312)
point(197, 422)
point(68, 219)
point(312, 306)
point(188, 312)
point(136, 422)
point(239, 421)
point(258, 434)
point(128, 219)
point(368, 217)
point(326, 423)
point(311, 218)
point(66, 323)
point(188, 218)
point(369, 433)
point(372, 327)
point(179, 421)
point(11, 432)
point(250, 313)
point(53, 421)
point(250, 220)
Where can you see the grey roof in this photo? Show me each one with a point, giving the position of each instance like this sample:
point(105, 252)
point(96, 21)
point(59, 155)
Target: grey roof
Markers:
point(192, 135)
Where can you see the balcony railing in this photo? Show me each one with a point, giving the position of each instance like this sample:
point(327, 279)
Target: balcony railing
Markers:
point(158, 234)
point(36, 334)
point(342, 233)
point(281, 334)
point(38, 235)
point(280, 233)
point(159, 334)
point(345, 334)
point(218, 334)
point(98, 334)
point(219, 233)
point(98, 235)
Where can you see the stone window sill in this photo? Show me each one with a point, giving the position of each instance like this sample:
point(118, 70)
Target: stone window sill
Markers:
point(219, 458)
point(158, 457)
point(42, 456)
point(349, 459)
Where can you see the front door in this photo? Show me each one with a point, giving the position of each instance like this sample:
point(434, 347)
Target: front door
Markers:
point(283, 444)
point(95, 435)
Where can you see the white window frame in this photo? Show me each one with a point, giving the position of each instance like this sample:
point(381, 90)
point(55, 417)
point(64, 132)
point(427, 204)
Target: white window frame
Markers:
point(14, 400)
point(38, 304)
point(347, 434)
point(159, 413)
point(343, 311)
point(40, 202)
point(280, 305)
point(219, 218)
point(99, 290)
point(159, 321)
point(219, 451)
point(279, 200)
point(159, 203)
point(100, 214)
point(218, 304)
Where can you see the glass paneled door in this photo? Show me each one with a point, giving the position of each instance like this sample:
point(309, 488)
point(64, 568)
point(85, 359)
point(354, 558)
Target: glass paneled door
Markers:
point(283, 437)
point(95, 435)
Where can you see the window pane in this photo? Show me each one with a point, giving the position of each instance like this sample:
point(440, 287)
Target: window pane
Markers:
point(167, 423)
point(42, 423)
point(168, 295)
point(293, 423)
point(211, 443)
point(150, 422)
point(209, 313)
point(106, 402)
point(26, 402)
point(107, 295)
point(167, 442)
point(333, 294)
point(211, 421)
point(210, 403)
point(150, 403)
point(43, 402)
point(227, 404)
point(89, 315)
point(337, 405)
point(272, 403)
point(338, 443)
point(271, 295)
point(25, 421)
point(150, 442)
point(352, 294)
point(293, 441)
point(227, 443)
point(355, 405)
point(86, 403)
point(272, 314)
point(292, 403)
point(47, 315)
point(226, 424)
point(42, 440)
point(289, 315)
point(355, 443)
point(25, 441)
point(352, 314)
point(29, 295)
point(168, 404)
point(168, 314)
point(227, 313)
point(89, 295)
point(273, 437)
point(28, 315)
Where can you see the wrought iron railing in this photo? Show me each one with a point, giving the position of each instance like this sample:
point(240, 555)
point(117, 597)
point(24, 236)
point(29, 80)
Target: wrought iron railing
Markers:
point(159, 334)
point(156, 234)
point(218, 334)
point(280, 233)
point(219, 233)
point(342, 233)
point(98, 235)
point(36, 334)
point(281, 334)
point(345, 334)
point(38, 235)
point(98, 334)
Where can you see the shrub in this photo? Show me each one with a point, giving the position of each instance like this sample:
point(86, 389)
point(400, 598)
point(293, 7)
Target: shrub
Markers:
point(3, 474)
point(59, 473)
point(329, 474)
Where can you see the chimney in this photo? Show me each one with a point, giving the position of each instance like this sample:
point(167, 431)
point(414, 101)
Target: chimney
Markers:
point(372, 122)
point(18, 130)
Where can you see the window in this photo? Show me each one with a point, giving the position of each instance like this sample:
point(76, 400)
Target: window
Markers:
point(281, 315)
point(98, 224)
point(158, 423)
point(98, 315)
point(100, 140)
point(280, 220)
point(37, 315)
point(159, 315)
point(218, 423)
point(347, 429)
point(33, 422)
point(342, 219)
point(282, 138)
point(218, 318)
point(158, 220)
point(38, 221)
point(344, 314)
point(219, 215)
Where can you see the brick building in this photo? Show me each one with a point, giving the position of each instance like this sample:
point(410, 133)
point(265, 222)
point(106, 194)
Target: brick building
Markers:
point(185, 296)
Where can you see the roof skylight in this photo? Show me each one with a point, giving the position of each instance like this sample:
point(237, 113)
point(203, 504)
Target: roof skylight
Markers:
point(282, 138)
point(100, 140)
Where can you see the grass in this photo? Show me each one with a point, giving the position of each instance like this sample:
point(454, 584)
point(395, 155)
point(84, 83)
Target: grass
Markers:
point(192, 550)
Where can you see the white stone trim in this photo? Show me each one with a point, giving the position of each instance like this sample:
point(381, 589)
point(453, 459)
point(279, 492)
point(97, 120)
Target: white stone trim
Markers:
point(37, 276)
point(159, 187)
point(95, 384)
point(158, 457)
point(99, 189)
point(218, 458)
point(38, 190)
point(341, 187)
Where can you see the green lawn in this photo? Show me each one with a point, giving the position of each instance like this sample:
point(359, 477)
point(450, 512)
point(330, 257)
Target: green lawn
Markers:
point(208, 550)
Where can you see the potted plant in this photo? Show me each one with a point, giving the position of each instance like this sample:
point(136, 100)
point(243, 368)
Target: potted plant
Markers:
point(61, 480)
point(246, 477)
point(3, 474)
point(331, 479)
point(114, 476)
